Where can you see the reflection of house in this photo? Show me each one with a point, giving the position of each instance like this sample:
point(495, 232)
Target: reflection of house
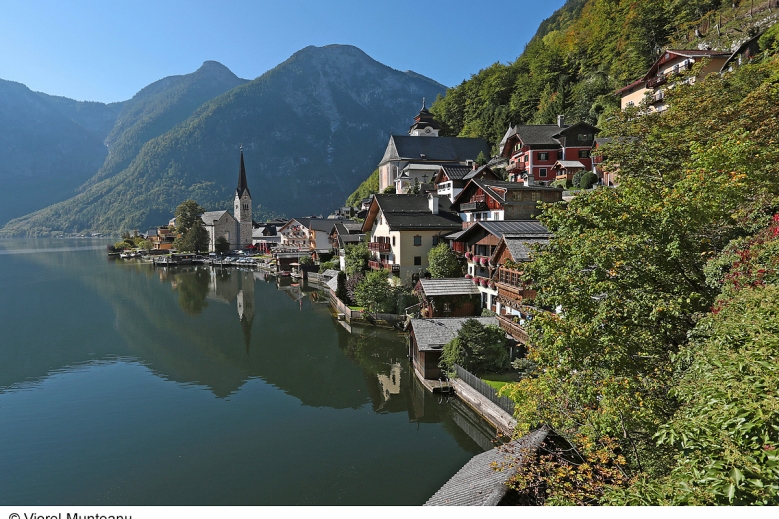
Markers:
point(661, 75)
point(533, 149)
point(428, 337)
point(403, 230)
point(423, 147)
point(449, 297)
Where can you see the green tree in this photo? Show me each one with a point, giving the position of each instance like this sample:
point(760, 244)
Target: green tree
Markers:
point(340, 291)
point(444, 262)
point(477, 348)
point(187, 214)
point(356, 258)
point(221, 245)
point(306, 260)
point(368, 187)
point(376, 293)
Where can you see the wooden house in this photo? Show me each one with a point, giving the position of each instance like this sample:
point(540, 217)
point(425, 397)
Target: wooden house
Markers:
point(448, 297)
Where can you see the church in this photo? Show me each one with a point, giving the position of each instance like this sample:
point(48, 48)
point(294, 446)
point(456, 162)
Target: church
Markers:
point(236, 228)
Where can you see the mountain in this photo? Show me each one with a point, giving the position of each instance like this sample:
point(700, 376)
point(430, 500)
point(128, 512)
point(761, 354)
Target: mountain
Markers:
point(48, 147)
point(310, 128)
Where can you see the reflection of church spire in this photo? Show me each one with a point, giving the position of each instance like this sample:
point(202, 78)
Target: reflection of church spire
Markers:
point(245, 301)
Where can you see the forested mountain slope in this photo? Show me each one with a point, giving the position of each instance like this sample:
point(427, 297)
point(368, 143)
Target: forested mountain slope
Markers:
point(310, 128)
point(582, 54)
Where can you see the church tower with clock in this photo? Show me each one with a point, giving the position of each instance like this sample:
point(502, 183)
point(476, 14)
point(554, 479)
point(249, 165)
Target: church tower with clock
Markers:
point(424, 124)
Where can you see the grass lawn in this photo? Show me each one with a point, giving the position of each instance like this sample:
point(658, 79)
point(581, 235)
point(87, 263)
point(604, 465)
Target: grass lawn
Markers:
point(498, 380)
point(357, 308)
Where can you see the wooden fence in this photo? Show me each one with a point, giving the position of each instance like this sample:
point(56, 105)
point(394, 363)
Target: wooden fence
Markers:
point(485, 389)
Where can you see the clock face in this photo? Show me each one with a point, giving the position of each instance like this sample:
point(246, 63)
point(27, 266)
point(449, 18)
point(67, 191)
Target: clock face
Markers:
point(427, 130)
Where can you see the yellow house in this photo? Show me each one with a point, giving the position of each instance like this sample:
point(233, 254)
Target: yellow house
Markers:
point(404, 228)
point(660, 76)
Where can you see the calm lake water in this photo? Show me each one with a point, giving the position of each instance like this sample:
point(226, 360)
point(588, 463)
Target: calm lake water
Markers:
point(121, 384)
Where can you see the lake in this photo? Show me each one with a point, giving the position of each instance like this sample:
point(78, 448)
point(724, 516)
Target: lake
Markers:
point(125, 384)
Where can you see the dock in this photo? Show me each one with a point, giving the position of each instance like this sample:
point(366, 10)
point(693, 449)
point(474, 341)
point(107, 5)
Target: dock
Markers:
point(492, 413)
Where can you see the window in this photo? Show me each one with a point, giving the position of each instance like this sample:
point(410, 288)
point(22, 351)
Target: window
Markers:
point(435, 241)
point(584, 154)
point(417, 260)
point(393, 241)
point(543, 155)
point(417, 241)
point(584, 137)
point(542, 172)
point(447, 307)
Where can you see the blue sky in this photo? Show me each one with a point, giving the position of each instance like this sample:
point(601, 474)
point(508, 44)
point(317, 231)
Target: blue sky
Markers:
point(108, 50)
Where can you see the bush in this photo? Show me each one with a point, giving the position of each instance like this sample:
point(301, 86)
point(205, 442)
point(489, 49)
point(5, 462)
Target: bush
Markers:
point(306, 260)
point(389, 190)
point(329, 265)
point(588, 180)
point(577, 178)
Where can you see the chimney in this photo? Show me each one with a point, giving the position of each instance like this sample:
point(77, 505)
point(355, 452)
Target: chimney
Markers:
point(529, 180)
point(560, 121)
point(475, 166)
point(432, 202)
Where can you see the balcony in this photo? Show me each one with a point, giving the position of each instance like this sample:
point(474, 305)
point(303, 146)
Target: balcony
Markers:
point(657, 81)
point(379, 247)
point(473, 206)
point(514, 329)
point(516, 167)
point(383, 265)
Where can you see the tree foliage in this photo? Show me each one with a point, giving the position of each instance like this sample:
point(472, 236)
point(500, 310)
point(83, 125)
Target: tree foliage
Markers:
point(477, 348)
point(376, 293)
point(444, 263)
point(221, 245)
point(356, 258)
point(194, 236)
point(637, 371)
point(368, 187)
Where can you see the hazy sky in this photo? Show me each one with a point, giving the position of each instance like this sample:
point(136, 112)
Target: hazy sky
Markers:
point(107, 50)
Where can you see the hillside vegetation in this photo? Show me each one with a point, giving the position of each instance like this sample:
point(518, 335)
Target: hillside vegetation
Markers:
point(582, 54)
point(661, 369)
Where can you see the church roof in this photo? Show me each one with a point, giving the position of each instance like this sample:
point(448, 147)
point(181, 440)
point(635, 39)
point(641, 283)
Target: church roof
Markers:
point(438, 149)
point(209, 217)
point(242, 184)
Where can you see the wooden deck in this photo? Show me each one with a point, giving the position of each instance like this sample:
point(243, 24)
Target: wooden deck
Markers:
point(493, 414)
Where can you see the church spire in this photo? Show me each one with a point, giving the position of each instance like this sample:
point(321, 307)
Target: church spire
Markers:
point(243, 185)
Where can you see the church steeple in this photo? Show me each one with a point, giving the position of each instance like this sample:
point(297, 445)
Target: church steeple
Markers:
point(242, 184)
point(424, 123)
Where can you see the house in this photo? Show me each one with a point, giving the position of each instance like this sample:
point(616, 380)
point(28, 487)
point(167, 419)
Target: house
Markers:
point(450, 179)
point(494, 200)
point(413, 155)
point(479, 243)
point(342, 235)
point(162, 238)
point(661, 74)
point(604, 177)
point(743, 54)
point(532, 150)
point(448, 297)
point(404, 228)
point(427, 338)
point(308, 233)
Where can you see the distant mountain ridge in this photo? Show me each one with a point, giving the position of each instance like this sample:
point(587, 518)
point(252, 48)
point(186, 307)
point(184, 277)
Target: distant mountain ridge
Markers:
point(311, 128)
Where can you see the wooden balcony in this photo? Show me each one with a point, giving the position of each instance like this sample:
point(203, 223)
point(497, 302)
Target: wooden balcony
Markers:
point(473, 206)
point(383, 265)
point(656, 81)
point(379, 247)
point(513, 329)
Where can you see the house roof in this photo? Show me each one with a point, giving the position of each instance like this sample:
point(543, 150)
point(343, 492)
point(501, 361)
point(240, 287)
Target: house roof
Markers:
point(209, 217)
point(528, 229)
point(447, 287)
point(330, 273)
point(433, 149)
point(409, 212)
point(569, 164)
point(345, 239)
point(521, 247)
point(456, 171)
point(479, 482)
point(496, 189)
point(332, 283)
point(433, 334)
point(323, 224)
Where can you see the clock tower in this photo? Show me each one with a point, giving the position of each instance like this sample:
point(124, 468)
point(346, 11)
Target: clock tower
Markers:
point(242, 208)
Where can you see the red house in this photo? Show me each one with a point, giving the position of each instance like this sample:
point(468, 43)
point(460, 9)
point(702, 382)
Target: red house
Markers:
point(535, 149)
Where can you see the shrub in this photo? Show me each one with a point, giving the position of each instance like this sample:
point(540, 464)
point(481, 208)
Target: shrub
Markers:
point(588, 180)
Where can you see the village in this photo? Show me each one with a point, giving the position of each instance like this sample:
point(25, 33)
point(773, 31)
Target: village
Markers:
point(443, 241)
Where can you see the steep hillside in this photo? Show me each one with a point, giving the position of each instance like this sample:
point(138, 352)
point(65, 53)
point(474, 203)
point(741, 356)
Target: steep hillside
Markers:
point(47, 148)
point(310, 128)
point(159, 107)
point(583, 53)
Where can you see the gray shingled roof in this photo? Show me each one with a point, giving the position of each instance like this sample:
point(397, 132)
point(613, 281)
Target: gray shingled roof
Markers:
point(448, 287)
point(433, 334)
point(478, 483)
point(434, 149)
point(413, 212)
point(569, 164)
point(521, 247)
point(332, 284)
point(209, 217)
point(456, 171)
point(531, 229)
